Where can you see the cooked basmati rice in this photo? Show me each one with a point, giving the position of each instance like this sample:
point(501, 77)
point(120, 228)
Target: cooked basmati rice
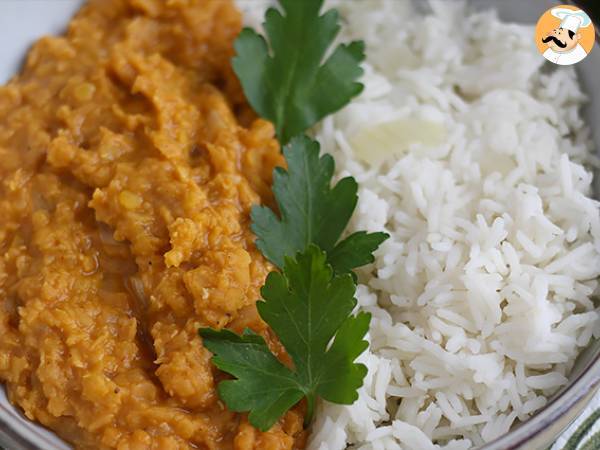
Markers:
point(481, 298)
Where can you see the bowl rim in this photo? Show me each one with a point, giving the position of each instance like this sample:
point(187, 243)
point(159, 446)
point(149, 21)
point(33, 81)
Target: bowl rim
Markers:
point(563, 405)
point(10, 436)
point(570, 401)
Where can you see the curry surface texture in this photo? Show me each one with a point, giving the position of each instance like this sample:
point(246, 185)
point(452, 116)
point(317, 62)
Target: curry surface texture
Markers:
point(129, 162)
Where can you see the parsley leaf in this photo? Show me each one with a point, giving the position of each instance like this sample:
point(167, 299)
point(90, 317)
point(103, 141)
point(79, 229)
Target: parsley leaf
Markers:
point(306, 306)
point(311, 211)
point(355, 251)
point(264, 386)
point(286, 83)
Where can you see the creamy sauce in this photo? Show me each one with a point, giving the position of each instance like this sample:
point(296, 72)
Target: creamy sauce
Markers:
point(129, 162)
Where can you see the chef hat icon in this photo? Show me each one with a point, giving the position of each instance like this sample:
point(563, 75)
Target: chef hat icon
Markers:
point(571, 19)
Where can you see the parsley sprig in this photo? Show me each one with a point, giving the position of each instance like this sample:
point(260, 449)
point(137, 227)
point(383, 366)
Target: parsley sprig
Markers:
point(285, 79)
point(312, 212)
point(308, 307)
point(309, 303)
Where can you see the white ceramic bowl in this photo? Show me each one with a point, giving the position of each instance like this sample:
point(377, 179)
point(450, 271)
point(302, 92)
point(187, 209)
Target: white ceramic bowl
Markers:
point(23, 21)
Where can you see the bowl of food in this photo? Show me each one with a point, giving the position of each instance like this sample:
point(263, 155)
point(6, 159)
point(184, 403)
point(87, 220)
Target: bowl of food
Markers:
point(359, 224)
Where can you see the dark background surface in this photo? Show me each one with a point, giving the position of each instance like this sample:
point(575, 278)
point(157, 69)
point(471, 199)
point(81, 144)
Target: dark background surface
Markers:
point(592, 7)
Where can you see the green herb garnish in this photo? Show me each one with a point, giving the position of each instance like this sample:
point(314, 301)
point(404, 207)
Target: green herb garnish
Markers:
point(285, 77)
point(306, 306)
point(309, 304)
point(312, 212)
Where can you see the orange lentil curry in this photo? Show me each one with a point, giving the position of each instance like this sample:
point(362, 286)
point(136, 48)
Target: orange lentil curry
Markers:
point(129, 162)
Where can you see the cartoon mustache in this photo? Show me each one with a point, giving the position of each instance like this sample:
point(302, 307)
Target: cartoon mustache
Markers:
point(556, 41)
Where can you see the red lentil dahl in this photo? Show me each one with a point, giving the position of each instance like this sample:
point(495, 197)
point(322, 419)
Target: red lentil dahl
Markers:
point(129, 162)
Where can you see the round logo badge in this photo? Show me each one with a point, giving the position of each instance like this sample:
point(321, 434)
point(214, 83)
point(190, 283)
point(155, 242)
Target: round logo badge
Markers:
point(565, 35)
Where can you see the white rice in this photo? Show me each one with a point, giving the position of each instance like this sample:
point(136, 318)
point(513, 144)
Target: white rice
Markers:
point(470, 155)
